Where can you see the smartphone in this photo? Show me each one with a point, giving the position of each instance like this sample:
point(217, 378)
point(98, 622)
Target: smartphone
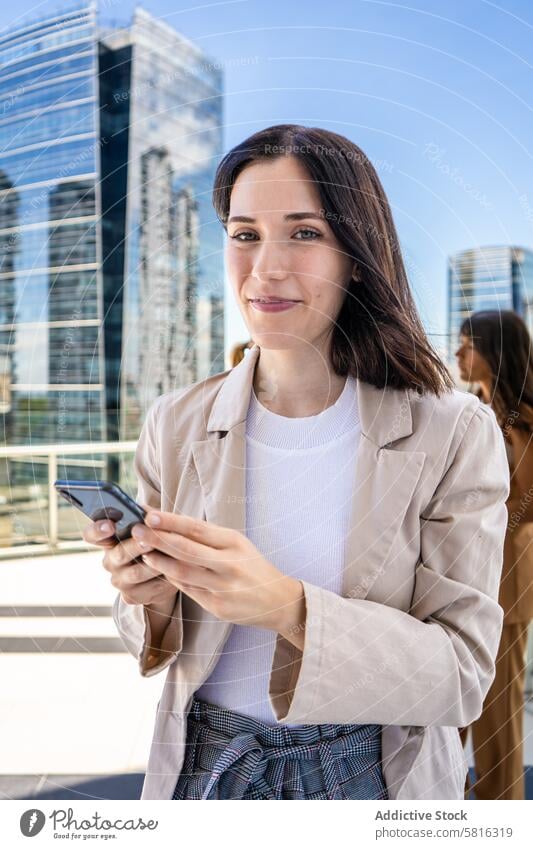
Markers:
point(103, 500)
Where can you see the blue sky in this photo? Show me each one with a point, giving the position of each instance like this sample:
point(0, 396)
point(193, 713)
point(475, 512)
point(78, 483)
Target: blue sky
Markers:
point(436, 93)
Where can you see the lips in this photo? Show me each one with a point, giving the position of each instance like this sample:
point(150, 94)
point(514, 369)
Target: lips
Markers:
point(273, 301)
point(273, 306)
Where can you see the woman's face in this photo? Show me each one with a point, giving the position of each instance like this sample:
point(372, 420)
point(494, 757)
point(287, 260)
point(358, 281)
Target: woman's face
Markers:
point(473, 367)
point(285, 250)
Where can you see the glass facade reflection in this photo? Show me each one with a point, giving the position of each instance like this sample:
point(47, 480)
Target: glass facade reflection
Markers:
point(173, 267)
point(50, 275)
point(111, 273)
point(487, 278)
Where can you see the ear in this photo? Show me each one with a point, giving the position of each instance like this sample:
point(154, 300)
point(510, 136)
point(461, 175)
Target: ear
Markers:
point(356, 272)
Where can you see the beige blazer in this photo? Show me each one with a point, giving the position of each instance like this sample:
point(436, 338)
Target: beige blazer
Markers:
point(412, 640)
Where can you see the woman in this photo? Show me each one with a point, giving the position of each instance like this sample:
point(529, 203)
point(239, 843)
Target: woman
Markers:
point(310, 587)
point(495, 352)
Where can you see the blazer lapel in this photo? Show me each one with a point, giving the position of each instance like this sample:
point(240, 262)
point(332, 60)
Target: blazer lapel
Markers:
point(220, 465)
point(384, 484)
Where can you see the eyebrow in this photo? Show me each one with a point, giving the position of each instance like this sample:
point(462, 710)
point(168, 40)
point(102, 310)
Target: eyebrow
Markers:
point(291, 216)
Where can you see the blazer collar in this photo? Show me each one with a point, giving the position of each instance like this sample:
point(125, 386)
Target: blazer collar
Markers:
point(385, 414)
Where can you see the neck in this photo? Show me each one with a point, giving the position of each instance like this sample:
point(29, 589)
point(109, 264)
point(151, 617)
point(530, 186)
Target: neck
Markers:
point(486, 390)
point(296, 382)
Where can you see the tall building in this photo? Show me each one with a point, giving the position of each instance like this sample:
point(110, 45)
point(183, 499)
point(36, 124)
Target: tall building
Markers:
point(110, 252)
point(166, 98)
point(50, 269)
point(487, 278)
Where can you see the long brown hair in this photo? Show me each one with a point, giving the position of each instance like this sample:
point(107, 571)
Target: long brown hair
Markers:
point(502, 338)
point(378, 335)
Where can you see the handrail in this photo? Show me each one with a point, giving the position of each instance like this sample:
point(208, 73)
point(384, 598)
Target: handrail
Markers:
point(52, 451)
point(68, 447)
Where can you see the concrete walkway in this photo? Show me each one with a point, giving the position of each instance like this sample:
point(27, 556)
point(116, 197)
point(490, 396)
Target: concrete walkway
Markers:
point(76, 717)
point(73, 701)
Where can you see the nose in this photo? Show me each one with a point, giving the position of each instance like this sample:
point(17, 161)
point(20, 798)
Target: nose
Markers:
point(270, 261)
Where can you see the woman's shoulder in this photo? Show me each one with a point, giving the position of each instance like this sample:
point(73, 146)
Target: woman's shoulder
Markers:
point(524, 414)
point(443, 424)
point(519, 429)
point(453, 408)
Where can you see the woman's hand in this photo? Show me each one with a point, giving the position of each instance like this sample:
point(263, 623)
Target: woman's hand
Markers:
point(221, 570)
point(137, 582)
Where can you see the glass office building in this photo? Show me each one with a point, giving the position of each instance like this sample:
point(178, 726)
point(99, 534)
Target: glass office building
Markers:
point(487, 278)
point(111, 273)
point(50, 270)
point(164, 100)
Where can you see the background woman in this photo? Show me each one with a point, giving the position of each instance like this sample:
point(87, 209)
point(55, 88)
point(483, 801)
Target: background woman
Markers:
point(495, 352)
point(238, 352)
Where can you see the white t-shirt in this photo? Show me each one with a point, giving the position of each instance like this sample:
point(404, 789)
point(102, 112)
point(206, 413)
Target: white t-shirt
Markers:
point(300, 478)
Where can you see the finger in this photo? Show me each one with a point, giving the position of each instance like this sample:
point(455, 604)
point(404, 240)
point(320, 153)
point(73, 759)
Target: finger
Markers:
point(123, 553)
point(177, 546)
point(98, 532)
point(198, 530)
point(136, 573)
point(200, 596)
point(143, 593)
point(184, 574)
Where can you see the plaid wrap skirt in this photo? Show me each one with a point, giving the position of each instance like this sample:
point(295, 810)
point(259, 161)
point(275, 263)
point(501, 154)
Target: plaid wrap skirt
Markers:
point(232, 756)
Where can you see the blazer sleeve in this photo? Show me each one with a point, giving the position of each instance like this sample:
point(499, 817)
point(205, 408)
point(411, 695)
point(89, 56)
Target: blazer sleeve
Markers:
point(366, 662)
point(131, 620)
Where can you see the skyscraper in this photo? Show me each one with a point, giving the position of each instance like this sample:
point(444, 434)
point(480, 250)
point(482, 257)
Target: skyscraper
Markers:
point(493, 277)
point(163, 100)
point(110, 251)
point(50, 270)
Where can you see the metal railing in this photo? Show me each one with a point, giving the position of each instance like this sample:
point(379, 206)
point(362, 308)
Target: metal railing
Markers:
point(53, 544)
point(49, 454)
